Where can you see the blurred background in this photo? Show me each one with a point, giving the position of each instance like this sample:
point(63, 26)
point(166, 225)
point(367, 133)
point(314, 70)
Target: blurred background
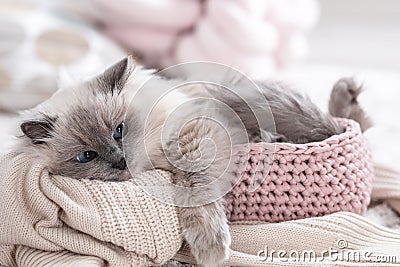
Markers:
point(307, 43)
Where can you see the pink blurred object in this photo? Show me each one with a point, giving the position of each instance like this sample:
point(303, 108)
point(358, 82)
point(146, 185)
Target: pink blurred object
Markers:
point(256, 36)
point(304, 180)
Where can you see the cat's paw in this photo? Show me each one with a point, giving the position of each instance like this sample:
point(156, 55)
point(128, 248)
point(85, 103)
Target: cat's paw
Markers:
point(343, 102)
point(210, 248)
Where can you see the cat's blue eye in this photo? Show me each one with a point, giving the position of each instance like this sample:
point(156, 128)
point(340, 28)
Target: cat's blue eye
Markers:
point(86, 156)
point(117, 134)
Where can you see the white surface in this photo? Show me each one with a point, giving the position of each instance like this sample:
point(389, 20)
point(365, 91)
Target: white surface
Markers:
point(357, 33)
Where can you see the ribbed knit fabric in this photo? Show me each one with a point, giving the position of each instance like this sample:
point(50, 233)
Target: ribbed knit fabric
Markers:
point(26, 256)
point(116, 222)
point(55, 221)
point(316, 234)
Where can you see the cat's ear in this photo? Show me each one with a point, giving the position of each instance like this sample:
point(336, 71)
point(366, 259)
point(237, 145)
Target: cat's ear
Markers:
point(38, 129)
point(113, 79)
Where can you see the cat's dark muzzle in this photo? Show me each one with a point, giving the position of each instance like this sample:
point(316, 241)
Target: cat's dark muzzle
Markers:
point(120, 165)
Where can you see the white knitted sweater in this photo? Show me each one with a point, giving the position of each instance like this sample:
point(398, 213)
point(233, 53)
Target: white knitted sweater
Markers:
point(56, 221)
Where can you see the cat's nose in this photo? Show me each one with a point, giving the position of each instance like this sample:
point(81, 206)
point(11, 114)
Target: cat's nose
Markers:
point(121, 165)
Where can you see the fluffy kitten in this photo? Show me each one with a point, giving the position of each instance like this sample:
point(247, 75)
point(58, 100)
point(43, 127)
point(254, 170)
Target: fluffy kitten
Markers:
point(78, 132)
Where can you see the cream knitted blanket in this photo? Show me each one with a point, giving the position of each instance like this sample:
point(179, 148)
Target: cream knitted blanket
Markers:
point(56, 221)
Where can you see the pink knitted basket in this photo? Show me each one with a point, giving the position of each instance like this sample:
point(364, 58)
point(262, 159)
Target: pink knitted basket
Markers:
point(305, 180)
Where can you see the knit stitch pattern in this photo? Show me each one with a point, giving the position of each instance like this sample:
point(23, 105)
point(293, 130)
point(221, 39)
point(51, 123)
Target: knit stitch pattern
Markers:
point(117, 222)
point(304, 180)
point(49, 220)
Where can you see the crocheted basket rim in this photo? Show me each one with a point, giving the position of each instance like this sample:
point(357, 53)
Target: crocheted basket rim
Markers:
point(302, 180)
point(352, 130)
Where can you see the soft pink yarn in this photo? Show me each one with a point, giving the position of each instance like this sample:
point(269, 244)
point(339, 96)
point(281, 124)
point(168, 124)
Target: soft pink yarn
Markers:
point(305, 180)
point(255, 36)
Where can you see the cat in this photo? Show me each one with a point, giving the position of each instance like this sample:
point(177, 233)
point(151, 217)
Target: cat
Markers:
point(79, 133)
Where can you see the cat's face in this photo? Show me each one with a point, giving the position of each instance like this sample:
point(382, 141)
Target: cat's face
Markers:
point(85, 140)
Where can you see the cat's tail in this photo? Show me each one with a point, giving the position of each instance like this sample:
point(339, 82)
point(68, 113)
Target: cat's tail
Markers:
point(344, 104)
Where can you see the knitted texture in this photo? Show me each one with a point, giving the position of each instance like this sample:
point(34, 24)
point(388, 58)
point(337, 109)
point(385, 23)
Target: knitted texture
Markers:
point(256, 37)
point(304, 180)
point(56, 221)
point(116, 222)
